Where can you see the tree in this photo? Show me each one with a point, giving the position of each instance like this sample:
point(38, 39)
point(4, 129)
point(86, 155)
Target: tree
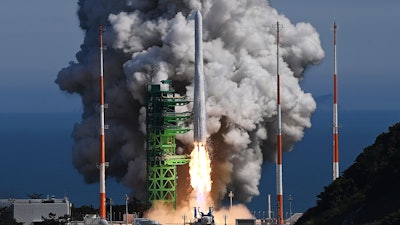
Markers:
point(373, 180)
point(6, 217)
point(80, 212)
point(54, 220)
point(35, 196)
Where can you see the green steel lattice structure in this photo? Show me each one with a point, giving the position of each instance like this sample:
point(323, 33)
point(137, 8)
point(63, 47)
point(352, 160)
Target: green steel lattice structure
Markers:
point(163, 123)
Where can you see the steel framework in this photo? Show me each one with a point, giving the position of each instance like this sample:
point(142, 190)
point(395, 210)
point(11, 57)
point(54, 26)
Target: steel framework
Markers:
point(163, 123)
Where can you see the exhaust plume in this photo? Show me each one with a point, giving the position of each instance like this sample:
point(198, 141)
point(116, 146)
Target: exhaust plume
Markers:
point(150, 41)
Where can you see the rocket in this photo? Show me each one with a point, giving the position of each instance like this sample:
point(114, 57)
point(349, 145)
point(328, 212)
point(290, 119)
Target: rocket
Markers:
point(200, 129)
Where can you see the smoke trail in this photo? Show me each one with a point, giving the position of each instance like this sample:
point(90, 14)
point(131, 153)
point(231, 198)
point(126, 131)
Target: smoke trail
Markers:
point(149, 41)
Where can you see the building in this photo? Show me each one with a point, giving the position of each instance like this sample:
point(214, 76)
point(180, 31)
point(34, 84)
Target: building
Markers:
point(32, 211)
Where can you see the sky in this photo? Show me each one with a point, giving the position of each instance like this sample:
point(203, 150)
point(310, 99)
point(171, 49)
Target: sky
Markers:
point(367, 49)
point(38, 38)
point(41, 37)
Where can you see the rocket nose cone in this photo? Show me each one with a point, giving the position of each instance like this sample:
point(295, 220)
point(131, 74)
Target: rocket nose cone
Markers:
point(198, 14)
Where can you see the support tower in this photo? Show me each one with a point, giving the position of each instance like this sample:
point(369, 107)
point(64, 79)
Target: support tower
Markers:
point(103, 164)
point(335, 112)
point(163, 123)
point(279, 188)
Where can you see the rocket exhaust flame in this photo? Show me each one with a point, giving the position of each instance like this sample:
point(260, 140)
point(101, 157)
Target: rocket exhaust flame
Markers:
point(200, 174)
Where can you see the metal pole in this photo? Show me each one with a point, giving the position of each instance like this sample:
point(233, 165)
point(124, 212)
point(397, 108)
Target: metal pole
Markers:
point(230, 197)
point(279, 188)
point(269, 206)
point(102, 165)
point(126, 208)
point(290, 209)
point(111, 217)
point(335, 112)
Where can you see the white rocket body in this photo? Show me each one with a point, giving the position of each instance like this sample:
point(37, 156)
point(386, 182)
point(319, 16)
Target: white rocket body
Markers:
point(200, 129)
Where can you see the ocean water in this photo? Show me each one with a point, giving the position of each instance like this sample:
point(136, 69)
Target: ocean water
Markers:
point(308, 167)
point(36, 158)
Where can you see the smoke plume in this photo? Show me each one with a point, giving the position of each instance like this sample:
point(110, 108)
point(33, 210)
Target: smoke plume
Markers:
point(153, 40)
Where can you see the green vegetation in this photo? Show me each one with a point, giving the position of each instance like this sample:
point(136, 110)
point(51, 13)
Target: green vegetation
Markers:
point(35, 196)
point(78, 213)
point(135, 206)
point(367, 192)
point(6, 217)
point(54, 220)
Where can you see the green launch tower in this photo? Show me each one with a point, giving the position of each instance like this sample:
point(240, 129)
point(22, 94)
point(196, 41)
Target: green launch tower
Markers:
point(163, 123)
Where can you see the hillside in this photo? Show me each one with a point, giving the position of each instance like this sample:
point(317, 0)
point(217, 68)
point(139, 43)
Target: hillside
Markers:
point(368, 192)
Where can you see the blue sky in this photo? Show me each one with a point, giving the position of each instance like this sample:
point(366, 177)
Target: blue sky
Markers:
point(38, 38)
point(367, 49)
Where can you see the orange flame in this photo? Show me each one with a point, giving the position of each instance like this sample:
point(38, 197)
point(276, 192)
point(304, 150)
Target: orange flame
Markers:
point(200, 173)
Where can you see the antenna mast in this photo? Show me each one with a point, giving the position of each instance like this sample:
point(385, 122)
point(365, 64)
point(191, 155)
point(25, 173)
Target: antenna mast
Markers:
point(335, 111)
point(279, 189)
point(102, 166)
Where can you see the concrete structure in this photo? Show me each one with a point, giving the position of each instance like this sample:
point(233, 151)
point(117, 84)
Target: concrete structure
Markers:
point(31, 211)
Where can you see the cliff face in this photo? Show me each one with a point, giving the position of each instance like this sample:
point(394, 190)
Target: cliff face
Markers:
point(368, 192)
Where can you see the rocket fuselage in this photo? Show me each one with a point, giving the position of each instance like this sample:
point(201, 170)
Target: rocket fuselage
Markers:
point(200, 130)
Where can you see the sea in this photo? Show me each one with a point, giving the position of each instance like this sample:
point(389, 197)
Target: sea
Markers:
point(37, 159)
point(308, 167)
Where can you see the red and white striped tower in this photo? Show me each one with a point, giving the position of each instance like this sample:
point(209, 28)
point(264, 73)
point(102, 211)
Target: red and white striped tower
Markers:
point(102, 166)
point(335, 112)
point(279, 189)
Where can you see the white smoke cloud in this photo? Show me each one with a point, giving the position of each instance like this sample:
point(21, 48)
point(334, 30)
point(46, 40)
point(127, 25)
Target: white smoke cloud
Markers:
point(149, 41)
